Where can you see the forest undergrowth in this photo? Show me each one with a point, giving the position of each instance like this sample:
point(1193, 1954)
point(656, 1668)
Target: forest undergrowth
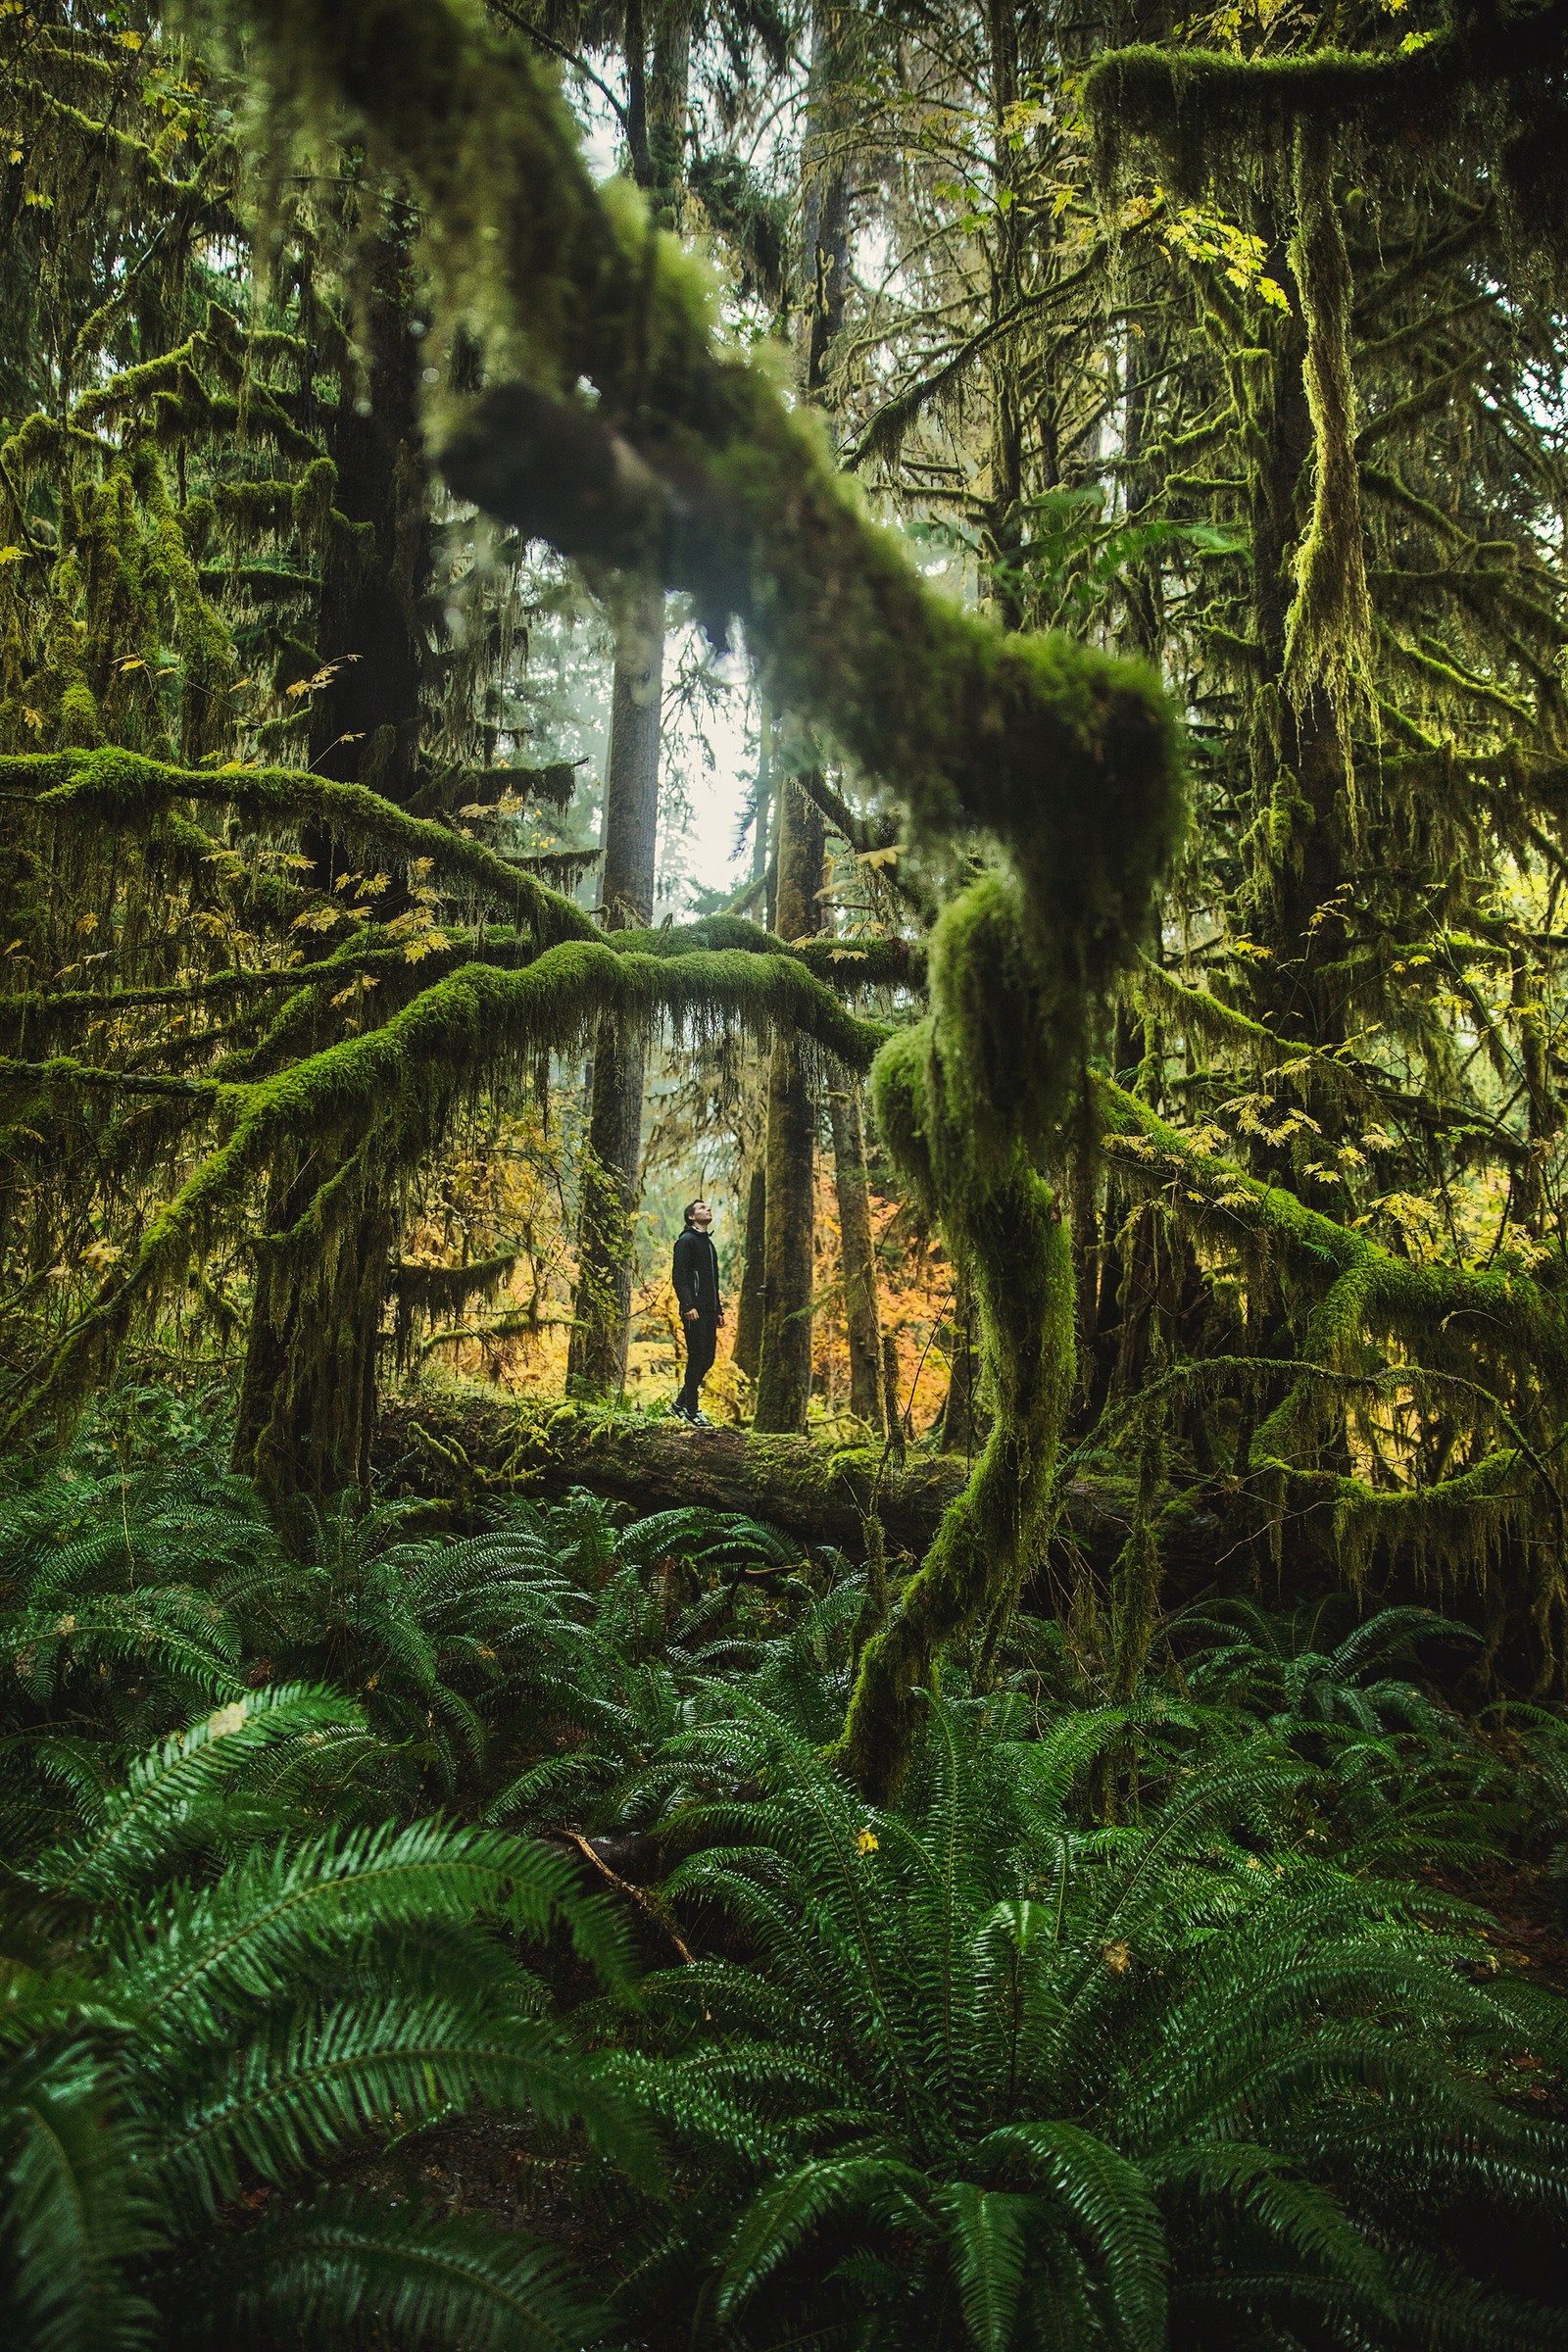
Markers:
point(454, 1934)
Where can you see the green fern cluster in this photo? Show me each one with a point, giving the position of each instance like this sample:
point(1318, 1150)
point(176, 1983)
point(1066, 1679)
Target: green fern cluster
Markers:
point(203, 2015)
point(139, 1579)
point(1108, 2033)
point(974, 2073)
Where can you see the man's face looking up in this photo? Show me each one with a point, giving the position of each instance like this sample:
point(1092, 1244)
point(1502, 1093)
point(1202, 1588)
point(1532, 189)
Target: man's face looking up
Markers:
point(702, 1217)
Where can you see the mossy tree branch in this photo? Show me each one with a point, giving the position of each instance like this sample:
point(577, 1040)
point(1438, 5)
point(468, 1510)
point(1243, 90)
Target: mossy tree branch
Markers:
point(398, 1082)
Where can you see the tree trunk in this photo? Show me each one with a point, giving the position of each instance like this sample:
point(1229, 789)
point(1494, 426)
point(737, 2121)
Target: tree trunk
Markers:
point(1003, 517)
point(659, 95)
point(365, 723)
point(748, 1348)
point(961, 1416)
point(669, 81)
point(784, 1373)
point(306, 1413)
point(596, 1359)
point(859, 1259)
point(305, 1417)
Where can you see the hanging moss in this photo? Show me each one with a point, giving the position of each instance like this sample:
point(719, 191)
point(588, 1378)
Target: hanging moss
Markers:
point(396, 1084)
point(740, 491)
point(1199, 104)
point(121, 787)
point(428, 1293)
point(1329, 628)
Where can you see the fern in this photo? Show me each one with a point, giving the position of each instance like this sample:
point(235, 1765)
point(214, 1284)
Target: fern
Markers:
point(1076, 2070)
point(281, 1914)
point(174, 1796)
point(320, 2271)
point(81, 2206)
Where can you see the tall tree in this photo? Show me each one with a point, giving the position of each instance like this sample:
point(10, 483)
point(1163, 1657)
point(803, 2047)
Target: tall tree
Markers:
point(610, 1169)
point(857, 1255)
point(784, 1373)
point(784, 1376)
point(610, 1174)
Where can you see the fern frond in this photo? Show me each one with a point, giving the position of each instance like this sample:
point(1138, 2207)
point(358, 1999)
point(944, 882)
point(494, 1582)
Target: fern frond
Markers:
point(319, 2079)
point(321, 2273)
point(1109, 2203)
point(988, 2231)
point(79, 2208)
point(171, 1794)
point(277, 1914)
point(787, 2211)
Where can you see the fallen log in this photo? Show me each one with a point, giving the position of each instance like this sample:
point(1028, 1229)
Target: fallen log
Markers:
point(467, 1443)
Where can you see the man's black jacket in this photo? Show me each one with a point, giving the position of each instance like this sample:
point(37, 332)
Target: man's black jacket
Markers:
point(695, 1272)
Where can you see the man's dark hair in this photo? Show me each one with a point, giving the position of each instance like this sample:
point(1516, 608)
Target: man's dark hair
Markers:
point(692, 1206)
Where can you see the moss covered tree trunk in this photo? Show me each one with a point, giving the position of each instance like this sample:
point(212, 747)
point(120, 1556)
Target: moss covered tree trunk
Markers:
point(596, 1362)
point(993, 1532)
point(857, 1255)
point(961, 1416)
point(308, 1397)
point(365, 723)
point(669, 87)
point(784, 1370)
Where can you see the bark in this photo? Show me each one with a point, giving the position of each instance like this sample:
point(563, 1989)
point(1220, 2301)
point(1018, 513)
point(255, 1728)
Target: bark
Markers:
point(364, 723)
point(1004, 524)
point(667, 86)
point(761, 806)
point(306, 1413)
point(858, 1257)
point(305, 1419)
point(824, 212)
point(596, 1361)
point(784, 1372)
point(636, 46)
point(612, 1178)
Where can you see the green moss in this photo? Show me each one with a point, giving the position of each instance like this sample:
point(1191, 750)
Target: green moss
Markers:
point(80, 722)
point(396, 1084)
point(992, 1532)
point(121, 786)
point(1378, 1322)
point(966, 1102)
point(1064, 753)
point(1329, 629)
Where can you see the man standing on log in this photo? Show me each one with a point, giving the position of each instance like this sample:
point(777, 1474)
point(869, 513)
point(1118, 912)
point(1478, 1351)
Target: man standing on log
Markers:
point(695, 1274)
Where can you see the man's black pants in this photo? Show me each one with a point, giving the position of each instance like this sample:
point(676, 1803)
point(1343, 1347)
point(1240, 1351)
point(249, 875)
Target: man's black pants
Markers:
point(701, 1340)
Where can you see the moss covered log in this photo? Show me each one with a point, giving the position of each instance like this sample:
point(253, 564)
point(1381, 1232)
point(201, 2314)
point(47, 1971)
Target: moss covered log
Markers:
point(449, 1440)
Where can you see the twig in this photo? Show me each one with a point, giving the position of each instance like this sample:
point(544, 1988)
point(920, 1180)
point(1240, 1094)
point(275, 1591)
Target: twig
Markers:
point(656, 1911)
